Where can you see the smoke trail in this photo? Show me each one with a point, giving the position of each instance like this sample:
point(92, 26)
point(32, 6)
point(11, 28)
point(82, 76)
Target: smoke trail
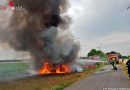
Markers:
point(39, 30)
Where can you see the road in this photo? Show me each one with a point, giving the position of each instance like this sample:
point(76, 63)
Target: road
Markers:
point(105, 78)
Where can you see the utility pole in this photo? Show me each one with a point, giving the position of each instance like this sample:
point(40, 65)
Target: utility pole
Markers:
point(78, 40)
point(83, 46)
point(99, 47)
point(128, 7)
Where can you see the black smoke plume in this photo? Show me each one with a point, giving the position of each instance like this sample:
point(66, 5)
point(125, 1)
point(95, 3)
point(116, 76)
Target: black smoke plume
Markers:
point(39, 30)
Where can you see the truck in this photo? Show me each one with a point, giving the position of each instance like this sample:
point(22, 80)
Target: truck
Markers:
point(113, 56)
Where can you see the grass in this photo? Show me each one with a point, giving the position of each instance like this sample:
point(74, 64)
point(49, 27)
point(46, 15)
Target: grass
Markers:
point(47, 82)
point(62, 86)
point(124, 69)
point(11, 69)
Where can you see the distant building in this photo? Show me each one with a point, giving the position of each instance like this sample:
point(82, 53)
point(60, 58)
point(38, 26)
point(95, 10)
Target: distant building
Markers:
point(94, 57)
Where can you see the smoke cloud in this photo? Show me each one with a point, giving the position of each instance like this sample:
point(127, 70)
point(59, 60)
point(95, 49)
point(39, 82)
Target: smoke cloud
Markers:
point(40, 29)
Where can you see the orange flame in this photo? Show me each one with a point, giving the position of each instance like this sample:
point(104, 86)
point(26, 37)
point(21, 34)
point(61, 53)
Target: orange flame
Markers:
point(49, 69)
point(63, 69)
point(46, 69)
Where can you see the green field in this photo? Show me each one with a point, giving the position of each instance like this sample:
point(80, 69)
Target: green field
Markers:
point(12, 69)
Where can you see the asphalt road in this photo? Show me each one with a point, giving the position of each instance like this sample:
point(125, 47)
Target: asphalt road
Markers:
point(106, 78)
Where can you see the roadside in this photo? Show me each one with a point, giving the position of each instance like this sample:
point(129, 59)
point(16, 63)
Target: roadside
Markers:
point(105, 78)
point(124, 68)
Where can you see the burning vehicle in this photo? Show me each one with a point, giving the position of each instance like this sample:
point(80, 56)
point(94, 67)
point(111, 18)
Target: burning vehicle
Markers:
point(41, 30)
point(53, 69)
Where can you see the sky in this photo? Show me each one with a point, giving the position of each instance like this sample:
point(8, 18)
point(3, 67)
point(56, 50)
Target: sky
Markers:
point(96, 23)
point(101, 23)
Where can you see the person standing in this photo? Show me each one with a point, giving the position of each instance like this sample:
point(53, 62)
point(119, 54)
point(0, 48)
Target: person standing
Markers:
point(128, 65)
point(113, 63)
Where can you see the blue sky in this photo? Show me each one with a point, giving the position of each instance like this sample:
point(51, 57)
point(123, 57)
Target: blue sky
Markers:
point(101, 22)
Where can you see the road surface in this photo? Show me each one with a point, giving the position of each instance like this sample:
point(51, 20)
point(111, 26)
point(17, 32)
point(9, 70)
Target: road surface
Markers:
point(105, 78)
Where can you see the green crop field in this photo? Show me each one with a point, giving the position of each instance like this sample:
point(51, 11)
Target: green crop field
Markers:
point(12, 69)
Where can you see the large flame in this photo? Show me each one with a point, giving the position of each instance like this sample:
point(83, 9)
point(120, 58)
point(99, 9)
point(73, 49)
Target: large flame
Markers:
point(63, 69)
point(50, 69)
point(46, 69)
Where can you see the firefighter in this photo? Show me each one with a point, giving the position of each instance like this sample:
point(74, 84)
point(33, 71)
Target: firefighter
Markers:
point(113, 63)
point(128, 65)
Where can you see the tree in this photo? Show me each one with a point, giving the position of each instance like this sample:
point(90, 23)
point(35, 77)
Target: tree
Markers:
point(95, 52)
point(92, 52)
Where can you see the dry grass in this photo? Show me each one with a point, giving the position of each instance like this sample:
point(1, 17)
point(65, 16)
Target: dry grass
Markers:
point(48, 82)
point(124, 68)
